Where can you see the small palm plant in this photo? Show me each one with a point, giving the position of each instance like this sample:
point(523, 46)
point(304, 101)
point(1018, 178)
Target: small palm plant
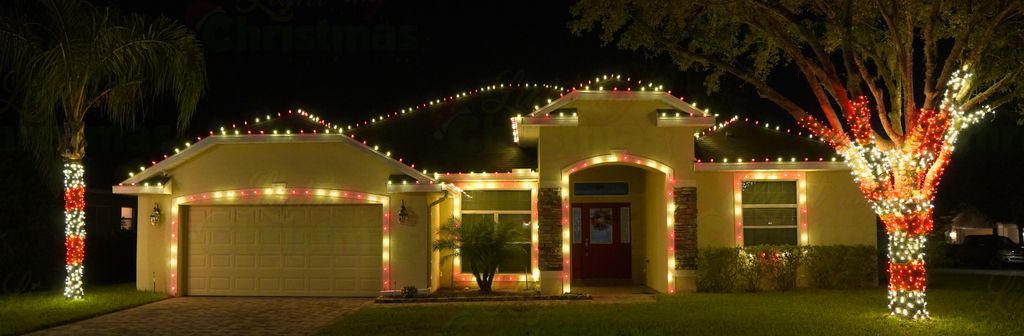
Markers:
point(482, 247)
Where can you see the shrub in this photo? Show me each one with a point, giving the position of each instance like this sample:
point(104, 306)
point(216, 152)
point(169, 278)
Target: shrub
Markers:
point(841, 266)
point(410, 291)
point(717, 269)
point(767, 267)
point(775, 268)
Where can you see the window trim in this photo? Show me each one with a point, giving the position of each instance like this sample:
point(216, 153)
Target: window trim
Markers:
point(528, 186)
point(771, 176)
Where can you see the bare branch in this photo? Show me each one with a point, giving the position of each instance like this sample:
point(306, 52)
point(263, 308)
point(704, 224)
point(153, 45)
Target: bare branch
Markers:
point(928, 34)
point(876, 92)
point(980, 98)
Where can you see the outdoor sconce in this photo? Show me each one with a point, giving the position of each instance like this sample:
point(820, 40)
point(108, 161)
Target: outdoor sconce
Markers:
point(154, 217)
point(403, 214)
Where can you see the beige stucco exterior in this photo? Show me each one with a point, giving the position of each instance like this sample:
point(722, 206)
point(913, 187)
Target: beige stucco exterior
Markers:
point(614, 139)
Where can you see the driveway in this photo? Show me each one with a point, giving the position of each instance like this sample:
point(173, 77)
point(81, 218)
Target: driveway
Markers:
point(217, 316)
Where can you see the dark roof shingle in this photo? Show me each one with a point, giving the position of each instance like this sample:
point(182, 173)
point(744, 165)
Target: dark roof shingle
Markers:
point(746, 140)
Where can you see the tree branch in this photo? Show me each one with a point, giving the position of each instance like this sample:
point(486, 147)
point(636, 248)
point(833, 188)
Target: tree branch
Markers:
point(959, 45)
point(818, 81)
point(985, 95)
point(986, 37)
point(904, 57)
point(928, 34)
point(876, 92)
point(827, 68)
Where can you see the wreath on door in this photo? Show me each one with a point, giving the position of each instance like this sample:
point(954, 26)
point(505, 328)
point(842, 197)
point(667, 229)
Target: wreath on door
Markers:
point(601, 219)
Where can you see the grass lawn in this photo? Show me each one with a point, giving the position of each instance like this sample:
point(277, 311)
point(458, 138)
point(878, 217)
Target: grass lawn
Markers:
point(30, 311)
point(960, 305)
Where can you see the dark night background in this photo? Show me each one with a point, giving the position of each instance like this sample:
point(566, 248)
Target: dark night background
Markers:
point(268, 56)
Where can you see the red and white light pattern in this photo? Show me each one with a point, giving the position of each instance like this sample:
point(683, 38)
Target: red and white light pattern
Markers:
point(74, 229)
point(669, 219)
point(900, 182)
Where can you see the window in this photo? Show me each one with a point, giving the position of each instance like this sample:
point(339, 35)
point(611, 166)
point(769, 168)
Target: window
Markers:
point(769, 212)
point(488, 207)
point(126, 218)
point(600, 188)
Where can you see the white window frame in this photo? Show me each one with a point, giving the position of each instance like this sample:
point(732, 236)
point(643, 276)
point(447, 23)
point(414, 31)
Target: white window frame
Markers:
point(784, 176)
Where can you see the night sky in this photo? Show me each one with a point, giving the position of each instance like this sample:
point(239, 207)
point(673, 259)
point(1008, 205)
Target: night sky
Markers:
point(351, 60)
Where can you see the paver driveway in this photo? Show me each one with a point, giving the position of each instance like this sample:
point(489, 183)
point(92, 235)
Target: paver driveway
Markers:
point(217, 316)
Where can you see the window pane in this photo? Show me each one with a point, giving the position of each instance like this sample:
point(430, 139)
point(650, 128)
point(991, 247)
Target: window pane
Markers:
point(769, 192)
point(769, 216)
point(521, 225)
point(496, 200)
point(518, 261)
point(477, 219)
point(600, 188)
point(782, 236)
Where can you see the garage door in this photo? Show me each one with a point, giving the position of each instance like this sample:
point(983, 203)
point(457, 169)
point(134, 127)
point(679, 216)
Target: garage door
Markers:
point(284, 250)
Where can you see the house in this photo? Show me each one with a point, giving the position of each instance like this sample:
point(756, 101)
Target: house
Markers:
point(619, 185)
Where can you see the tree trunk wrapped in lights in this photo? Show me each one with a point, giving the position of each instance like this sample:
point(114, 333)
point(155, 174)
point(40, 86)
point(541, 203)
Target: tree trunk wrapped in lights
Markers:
point(900, 183)
point(902, 55)
point(74, 228)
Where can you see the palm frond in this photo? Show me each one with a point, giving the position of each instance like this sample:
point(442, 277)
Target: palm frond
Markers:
point(74, 57)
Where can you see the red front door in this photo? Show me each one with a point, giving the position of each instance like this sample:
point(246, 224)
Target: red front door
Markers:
point(600, 241)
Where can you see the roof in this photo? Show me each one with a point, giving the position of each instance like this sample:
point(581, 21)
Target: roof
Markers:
point(470, 133)
point(266, 129)
point(473, 131)
point(748, 140)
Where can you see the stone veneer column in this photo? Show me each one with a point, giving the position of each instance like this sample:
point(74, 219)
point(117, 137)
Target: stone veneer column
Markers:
point(549, 207)
point(686, 228)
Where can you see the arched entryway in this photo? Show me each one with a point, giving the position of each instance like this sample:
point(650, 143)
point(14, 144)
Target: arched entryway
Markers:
point(617, 223)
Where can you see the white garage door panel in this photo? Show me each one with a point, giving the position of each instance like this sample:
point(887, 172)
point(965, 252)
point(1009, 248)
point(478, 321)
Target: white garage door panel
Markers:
point(284, 250)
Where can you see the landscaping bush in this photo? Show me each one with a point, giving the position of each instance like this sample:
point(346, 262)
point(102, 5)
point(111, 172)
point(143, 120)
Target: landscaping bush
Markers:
point(775, 268)
point(841, 266)
point(717, 269)
point(410, 291)
point(767, 268)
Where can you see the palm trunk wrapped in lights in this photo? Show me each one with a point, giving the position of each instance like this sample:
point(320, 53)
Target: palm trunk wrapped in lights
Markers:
point(74, 228)
point(900, 183)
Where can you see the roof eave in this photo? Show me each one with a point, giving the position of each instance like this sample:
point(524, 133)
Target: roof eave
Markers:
point(164, 189)
point(213, 140)
point(755, 166)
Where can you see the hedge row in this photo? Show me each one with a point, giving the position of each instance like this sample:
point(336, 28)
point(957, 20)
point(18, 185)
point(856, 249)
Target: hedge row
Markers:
point(775, 268)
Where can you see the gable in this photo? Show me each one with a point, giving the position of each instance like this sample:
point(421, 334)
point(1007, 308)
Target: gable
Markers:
point(313, 164)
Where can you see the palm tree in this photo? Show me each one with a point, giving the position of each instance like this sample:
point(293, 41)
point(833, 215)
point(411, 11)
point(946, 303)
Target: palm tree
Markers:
point(482, 247)
point(73, 58)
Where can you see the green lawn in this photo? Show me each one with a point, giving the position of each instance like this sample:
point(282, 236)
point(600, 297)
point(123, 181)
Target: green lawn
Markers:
point(30, 311)
point(960, 305)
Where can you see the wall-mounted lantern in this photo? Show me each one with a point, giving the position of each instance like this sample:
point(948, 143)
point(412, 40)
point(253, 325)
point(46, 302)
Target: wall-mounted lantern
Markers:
point(403, 214)
point(154, 217)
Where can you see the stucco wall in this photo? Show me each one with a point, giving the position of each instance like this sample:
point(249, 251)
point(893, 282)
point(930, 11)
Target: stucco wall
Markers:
point(629, 125)
point(657, 234)
point(715, 210)
point(410, 247)
point(836, 210)
point(608, 125)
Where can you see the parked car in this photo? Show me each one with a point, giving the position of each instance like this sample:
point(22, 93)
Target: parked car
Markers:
point(990, 251)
